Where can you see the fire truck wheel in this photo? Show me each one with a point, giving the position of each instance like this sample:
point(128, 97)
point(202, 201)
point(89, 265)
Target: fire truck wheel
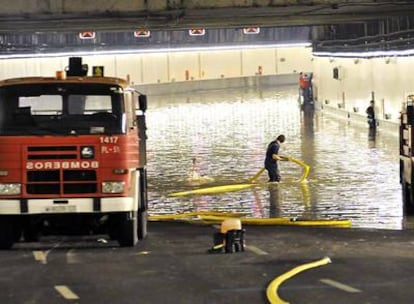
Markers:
point(113, 232)
point(128, 230)
point(407, 196)
point(30, 235)
point(6, 232)
point(17, 230)
point(142, 224)
point(30, 231)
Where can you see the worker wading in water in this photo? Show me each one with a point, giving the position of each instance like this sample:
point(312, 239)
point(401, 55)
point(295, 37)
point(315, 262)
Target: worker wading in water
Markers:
point(272, 158)
point(372, 122)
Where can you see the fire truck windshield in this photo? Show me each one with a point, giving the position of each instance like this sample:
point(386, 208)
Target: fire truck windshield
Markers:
point(68, 108)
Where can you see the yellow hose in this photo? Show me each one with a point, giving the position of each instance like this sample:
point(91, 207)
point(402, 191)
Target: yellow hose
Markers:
point(214, 190)
point(238, 187)
point(214, 217)
point(306, 168)
point(254, 177)
point(306, 196)
point(169, 217)
point(282, 221)
point(271, 291)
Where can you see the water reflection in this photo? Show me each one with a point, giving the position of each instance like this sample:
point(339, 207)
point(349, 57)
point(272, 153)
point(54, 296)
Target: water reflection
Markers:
point(352, 176)
point(372, 133)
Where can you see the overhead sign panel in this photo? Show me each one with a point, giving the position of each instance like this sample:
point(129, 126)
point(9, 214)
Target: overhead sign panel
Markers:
point(87, 35)
point(142, 33)
point(197, 32)
point(251, 30)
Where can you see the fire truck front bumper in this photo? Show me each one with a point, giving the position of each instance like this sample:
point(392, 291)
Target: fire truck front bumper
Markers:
point(73, 205)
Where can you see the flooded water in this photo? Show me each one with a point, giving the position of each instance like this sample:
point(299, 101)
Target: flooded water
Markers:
point(352, 176)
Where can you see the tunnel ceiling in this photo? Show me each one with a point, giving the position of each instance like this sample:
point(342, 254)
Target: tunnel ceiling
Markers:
point(53, 25)
point(187, 14)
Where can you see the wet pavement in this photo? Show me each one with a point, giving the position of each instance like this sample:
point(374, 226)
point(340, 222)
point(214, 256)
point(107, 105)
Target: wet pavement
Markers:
point(172, 266)
point(354, 174)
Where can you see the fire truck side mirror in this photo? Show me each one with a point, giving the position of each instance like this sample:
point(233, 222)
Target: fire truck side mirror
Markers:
point(410, 114)
point(142, 102)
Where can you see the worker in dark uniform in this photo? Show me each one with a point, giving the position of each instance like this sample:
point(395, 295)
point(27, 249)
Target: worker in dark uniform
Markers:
point(372, 122)
point(272, 157)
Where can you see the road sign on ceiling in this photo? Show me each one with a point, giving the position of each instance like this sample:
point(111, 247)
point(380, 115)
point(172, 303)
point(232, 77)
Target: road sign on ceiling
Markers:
point(197, 32)
point(87, 35)
point(142, 33)
point(251, 30)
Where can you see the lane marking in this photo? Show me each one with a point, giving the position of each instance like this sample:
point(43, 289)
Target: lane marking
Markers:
point(271, 291)
point(40, 256)
point(339, 285)
point(256, 250)
point(66, 292)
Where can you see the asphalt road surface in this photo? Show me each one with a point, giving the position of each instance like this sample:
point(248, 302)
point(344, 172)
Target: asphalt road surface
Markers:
point(172, 266)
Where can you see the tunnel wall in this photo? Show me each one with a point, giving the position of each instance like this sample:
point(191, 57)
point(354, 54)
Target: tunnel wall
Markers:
point(251, 82)
point(172, 67)
point(387, 80)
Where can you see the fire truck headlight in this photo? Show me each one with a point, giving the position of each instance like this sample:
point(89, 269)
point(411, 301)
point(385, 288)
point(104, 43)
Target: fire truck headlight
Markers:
point(87, 152)
point(10, 189)
point(113, 187)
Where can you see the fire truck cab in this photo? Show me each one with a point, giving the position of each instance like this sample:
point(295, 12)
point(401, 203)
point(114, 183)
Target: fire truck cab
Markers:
point(72, 157)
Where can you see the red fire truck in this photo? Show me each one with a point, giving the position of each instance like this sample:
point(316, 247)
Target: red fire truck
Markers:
point(72, 157)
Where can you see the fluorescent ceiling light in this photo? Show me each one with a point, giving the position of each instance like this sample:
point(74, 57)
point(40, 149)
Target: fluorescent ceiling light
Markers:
point(365, 54)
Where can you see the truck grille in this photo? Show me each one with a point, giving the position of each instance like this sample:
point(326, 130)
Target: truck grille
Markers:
point(59, 181)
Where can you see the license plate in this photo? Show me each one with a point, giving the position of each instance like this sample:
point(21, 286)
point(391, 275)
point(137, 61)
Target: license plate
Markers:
point(61, 209)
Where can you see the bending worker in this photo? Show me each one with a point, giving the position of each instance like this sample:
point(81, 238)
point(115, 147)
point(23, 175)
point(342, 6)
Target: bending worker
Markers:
point(272, 157)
